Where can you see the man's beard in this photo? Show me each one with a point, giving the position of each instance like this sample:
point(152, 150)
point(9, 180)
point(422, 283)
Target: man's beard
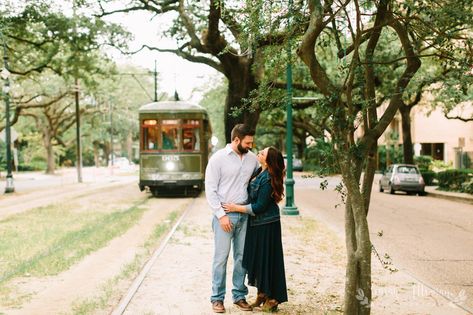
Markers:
point(241, 149)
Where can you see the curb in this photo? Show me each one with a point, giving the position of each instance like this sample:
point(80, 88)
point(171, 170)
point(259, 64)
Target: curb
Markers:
point(459, 198)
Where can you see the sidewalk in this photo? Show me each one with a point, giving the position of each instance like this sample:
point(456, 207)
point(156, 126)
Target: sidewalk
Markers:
point(179, 282)
point(454, 196)
point(28, 181)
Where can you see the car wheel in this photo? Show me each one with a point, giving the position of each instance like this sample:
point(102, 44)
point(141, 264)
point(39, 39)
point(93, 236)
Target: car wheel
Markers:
point(391, 190)
point(155, 192)
point(421, 193)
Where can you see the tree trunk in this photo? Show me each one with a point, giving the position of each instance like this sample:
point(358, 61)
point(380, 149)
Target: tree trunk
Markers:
point(407, 146)
point(129, 145)
point(301, 145)
point(51, 163)
point(358, 271)
point(96, 153)
point(107, 152)
point(241, 82)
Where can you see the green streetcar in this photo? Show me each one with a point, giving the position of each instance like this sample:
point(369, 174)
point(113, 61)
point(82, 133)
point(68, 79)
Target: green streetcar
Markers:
point(174, 147)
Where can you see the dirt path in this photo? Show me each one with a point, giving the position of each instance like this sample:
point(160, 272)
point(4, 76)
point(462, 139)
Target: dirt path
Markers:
point(180, 280)
point(88, 279)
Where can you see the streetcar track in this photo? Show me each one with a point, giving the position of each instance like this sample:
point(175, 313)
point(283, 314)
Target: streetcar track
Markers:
point(126, 299)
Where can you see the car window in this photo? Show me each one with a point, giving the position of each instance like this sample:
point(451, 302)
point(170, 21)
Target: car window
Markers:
point(407, 170)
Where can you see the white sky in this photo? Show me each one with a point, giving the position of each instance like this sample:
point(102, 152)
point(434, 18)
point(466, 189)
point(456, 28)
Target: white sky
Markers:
point(174, 72)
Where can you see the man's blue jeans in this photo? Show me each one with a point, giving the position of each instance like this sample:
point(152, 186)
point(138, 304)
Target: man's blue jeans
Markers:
point(223, 242)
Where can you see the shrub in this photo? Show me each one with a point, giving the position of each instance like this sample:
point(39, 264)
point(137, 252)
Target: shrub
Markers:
point(319, 158)
point(395, 155)
point(428, 176)
point(423, 161)
point(439, 166)
point(453, 179)
point(468, 187)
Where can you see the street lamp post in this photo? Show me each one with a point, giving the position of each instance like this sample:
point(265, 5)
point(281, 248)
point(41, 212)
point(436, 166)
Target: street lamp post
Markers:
point(6, 95)
point(290, 207)
point(155, 73)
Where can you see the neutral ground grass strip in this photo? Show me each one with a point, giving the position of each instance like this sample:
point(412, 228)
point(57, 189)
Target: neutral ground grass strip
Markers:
point(48, 240)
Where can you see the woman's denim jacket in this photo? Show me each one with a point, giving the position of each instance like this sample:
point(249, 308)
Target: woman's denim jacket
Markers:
point(264, 207)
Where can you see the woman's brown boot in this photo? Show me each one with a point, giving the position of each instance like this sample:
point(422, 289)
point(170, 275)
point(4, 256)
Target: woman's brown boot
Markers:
point(271, 305)
point(260, 299)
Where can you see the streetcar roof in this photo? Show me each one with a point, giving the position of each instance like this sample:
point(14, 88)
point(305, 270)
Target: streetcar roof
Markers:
point(171, 106)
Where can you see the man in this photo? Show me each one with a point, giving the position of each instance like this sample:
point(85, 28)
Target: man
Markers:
point(226, 179)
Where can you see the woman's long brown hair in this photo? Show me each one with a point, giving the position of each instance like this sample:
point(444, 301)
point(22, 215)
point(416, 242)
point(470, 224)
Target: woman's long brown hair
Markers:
point(277, 170)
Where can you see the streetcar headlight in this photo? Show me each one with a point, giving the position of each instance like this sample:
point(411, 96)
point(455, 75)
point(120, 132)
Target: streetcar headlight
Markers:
point(170, 166)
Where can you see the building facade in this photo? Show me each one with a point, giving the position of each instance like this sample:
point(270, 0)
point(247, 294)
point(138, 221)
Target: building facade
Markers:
point(448, 140)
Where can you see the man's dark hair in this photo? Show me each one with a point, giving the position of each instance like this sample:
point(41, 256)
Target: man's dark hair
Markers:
point(241, 131)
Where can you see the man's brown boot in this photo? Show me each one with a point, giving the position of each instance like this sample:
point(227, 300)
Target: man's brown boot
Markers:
point(217, 307)
point(243, 305)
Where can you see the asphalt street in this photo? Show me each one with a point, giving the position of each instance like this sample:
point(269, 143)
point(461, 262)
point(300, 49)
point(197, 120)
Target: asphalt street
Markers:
point(429, 238)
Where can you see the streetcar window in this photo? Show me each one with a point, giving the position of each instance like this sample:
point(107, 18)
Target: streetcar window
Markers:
point(150, 135)
point(150, 122)
point(169, 134)
point(191, 135)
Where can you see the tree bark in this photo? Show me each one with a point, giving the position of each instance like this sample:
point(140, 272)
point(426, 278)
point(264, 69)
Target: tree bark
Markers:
point(96, 153)
point(241, 82)
point(51, 164)
point(358, 271)
point(407, 146)
point(129, 145)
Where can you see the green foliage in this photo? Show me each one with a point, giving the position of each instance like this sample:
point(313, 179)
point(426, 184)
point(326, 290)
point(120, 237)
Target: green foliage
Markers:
point(466, 160)
point(393, 154)
point(429, 176)
point(320, 158)
point(453, 180)
point(423, 161)
point(467, 187)
point(214, 100)
point(439, 165)
point(3, 159)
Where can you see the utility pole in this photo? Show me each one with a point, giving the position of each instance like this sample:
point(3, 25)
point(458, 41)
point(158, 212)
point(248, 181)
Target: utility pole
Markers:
point(155, 81)
point(290, 207)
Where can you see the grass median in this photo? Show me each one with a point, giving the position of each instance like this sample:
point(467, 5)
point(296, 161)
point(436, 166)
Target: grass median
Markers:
point(48, 240)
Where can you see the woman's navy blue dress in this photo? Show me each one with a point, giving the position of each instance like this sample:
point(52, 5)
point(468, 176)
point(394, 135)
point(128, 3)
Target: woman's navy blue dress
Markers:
point(263, 253)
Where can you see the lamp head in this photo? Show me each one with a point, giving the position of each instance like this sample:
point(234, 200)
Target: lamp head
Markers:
point(5, 74)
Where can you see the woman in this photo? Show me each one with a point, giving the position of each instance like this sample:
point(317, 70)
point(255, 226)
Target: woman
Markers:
point(263, 254)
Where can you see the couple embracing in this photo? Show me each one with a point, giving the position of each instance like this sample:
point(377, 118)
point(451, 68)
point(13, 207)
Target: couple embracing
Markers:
point(243, 190)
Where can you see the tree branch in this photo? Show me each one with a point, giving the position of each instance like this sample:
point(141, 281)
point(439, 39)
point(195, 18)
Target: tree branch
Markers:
point(458, 117)
point(306, 50)
point(199, 59)
point(413, 64)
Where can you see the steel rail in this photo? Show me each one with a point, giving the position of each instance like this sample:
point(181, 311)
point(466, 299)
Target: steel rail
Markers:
point(125, 301)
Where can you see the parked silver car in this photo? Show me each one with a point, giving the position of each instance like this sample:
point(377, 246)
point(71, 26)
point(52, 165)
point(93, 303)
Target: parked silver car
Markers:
point(402, 177)
point(296, 163)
